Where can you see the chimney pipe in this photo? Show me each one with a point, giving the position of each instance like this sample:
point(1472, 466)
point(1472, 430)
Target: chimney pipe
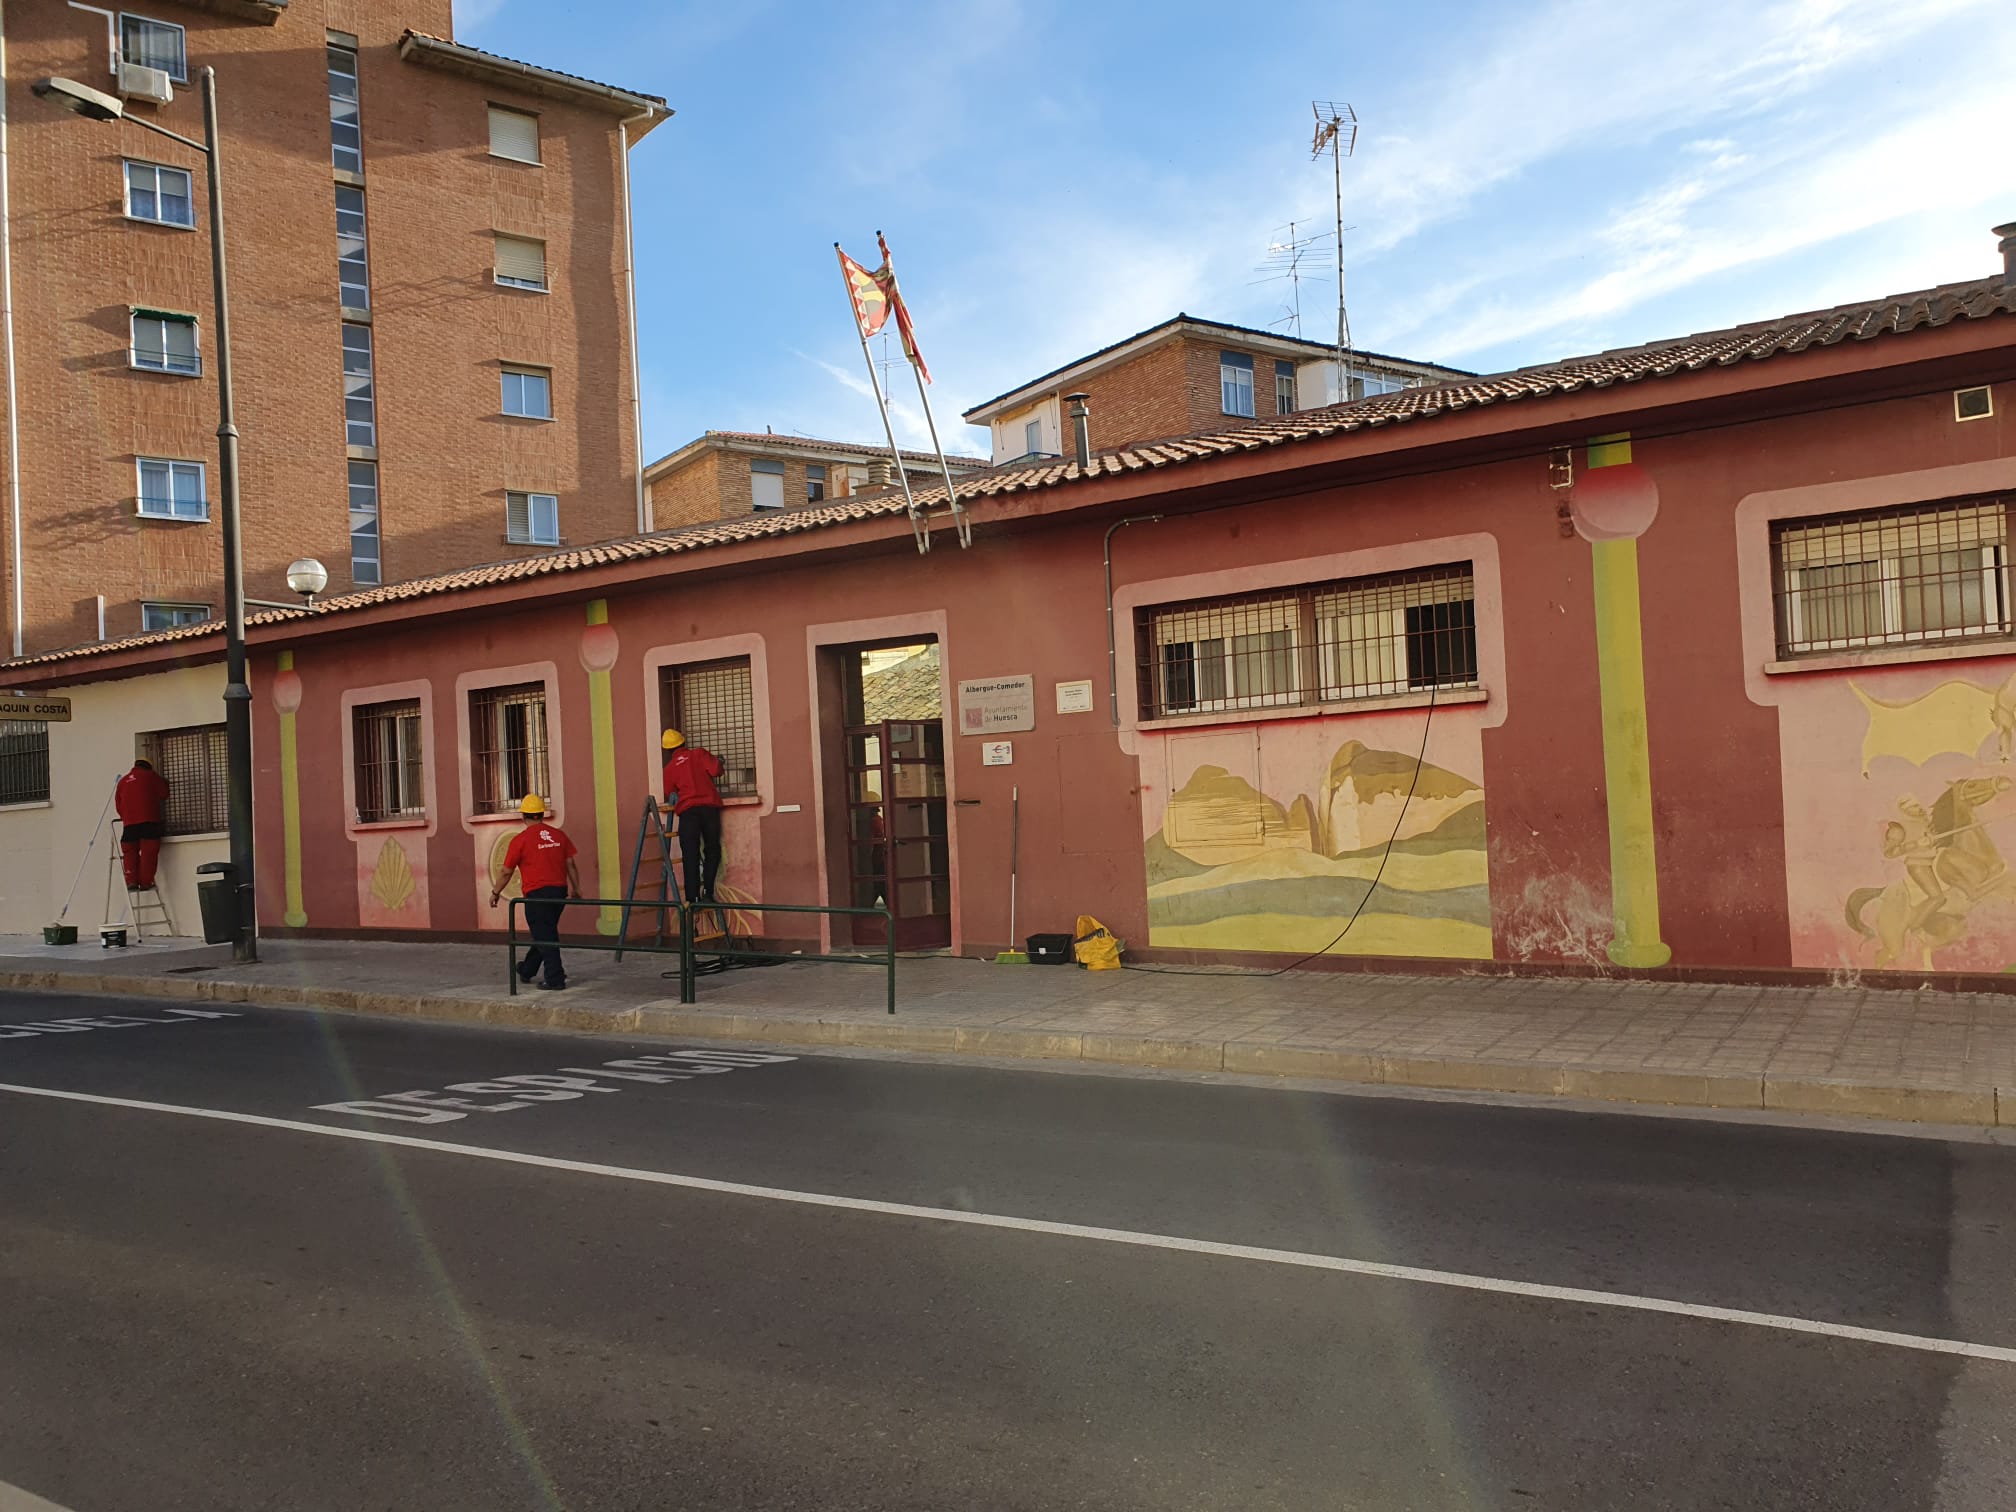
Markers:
point(2007, 233)
point(1081, 429)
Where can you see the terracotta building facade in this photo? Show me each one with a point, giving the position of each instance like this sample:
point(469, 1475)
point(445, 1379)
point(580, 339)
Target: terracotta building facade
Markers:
point(1698, 657)
point(431, 306)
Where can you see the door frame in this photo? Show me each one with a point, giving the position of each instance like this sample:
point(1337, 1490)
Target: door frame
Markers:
point(837, 636)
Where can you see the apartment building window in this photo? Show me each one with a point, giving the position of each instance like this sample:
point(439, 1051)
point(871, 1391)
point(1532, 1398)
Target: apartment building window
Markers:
point(24, 761)
point(391, 770)
point(353, 269)
point(1888, 577)
point(766, 484)
point(172, 616)
point(193, 763)
point(815, 483)
point(713, 705)
point(1284, 387)
point(1322, 643)
point(521, 262)
point(1235, 383)
point(514, 135)
point(154, 44)
point(507, 746)
point(360, 394)
point(528, 393)
point(172, 490)
point(346, 121)
point(532, 519)
point(164, 342)
point(1032, 438)
point(158, 194)
point(366, 559)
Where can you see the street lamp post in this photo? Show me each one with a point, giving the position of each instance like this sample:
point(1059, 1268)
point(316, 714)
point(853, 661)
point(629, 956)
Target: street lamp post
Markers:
point(96, 105)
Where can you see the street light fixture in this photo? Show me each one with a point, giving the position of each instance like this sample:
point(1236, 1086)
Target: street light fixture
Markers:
point(96, 105)
point(307, 577)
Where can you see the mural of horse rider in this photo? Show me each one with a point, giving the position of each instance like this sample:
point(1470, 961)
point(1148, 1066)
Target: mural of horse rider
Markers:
point(1951, 863)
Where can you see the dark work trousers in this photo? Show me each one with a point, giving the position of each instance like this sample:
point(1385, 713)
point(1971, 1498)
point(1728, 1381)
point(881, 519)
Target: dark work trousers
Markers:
point(700, 848)
point(140, 851)
point(543, 918)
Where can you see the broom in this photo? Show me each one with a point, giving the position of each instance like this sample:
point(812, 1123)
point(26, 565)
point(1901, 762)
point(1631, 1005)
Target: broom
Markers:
point(1013, 957)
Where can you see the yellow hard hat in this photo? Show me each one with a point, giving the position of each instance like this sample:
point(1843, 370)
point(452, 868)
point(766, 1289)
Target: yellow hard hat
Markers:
point(531, 805)
point(671, 740)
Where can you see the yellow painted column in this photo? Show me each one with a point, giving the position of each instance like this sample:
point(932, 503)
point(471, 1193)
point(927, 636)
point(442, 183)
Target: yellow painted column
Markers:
point(599, 648)
point(287, 699)
point(1613, 533)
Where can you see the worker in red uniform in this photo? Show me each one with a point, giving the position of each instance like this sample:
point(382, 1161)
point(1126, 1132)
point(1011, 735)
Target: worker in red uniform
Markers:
point(543, 857)
point(696, 803)
point(141, 798)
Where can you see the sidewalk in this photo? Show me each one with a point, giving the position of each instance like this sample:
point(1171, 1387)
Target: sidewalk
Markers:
point(1926, 1056)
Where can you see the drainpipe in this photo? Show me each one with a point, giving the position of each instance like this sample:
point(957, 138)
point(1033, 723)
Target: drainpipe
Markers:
point(1112, 646)
point(18, 603)
point(630, 277)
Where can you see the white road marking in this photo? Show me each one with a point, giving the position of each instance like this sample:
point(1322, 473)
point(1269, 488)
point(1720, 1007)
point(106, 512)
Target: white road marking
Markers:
point(14, 1499)
point(1578, 1296)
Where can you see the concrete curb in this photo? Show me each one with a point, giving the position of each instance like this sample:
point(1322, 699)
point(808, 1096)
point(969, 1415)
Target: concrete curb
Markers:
point(1986, 1107)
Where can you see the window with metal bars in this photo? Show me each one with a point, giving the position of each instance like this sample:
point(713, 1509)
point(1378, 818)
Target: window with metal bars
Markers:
point(391, 766)
point(1888, 577)
point(507, 746)
point(193, 763)
point(24, 761)
point(713, 705)
point(1321, 643)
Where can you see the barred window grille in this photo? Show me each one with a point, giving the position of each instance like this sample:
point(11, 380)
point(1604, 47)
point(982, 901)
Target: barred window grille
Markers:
point(507, 746)
point(391, 766)
point(194, 764)
point(24, 761)
point(713, 705)
point(1322, 643)
point(1892, 577)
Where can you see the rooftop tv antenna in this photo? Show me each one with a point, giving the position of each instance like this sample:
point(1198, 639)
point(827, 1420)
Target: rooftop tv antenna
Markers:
point(1337, 129)
point(1287, 249)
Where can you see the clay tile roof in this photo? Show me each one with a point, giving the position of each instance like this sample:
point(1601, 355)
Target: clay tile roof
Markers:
point(1757, 342)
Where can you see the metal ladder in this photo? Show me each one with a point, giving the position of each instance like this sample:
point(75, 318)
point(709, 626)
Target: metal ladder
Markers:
point(654, 837)
point(140, 912)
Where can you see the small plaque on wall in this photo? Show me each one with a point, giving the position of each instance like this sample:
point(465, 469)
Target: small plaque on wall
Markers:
point(1075, 697)
point(997, 753)
point(988, 705)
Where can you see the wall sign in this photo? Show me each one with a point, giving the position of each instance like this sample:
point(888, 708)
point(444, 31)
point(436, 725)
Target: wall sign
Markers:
point(49, 709)
point(997, 753)
point(989, 705)
point(1074, 697)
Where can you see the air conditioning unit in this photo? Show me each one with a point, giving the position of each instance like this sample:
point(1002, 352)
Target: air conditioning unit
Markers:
point(139, 82)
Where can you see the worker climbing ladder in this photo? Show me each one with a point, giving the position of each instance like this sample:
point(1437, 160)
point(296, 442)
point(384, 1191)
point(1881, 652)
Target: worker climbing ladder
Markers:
point(654, 846)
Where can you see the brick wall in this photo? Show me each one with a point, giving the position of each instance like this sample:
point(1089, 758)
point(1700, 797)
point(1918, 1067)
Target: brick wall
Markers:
point(441, 326)
point(688, 495)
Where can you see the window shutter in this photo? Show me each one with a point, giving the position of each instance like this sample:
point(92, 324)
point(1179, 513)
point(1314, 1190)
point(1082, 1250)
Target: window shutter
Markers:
point(521, 259)
point(518, 516)
point(514, 135)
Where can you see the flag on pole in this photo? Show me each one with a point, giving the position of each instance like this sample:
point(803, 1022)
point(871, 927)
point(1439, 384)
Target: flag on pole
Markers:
point(871, 304)
point(886, 277)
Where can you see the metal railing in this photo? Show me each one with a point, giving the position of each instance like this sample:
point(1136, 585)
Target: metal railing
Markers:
point(689, 949)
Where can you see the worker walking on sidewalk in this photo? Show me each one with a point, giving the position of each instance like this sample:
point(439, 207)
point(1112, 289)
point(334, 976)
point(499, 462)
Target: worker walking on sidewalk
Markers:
point(141, 798)
point(696, 803)
point(543, 857)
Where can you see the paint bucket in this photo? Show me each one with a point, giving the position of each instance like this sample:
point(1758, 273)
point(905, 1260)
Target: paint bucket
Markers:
point(59, 934)
point(111, 935)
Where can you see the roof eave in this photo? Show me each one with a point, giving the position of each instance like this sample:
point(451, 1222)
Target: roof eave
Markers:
point(265, 12)
point(647, 111)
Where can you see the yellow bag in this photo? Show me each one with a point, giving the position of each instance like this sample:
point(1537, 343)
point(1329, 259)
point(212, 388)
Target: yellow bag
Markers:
point(1094, 945)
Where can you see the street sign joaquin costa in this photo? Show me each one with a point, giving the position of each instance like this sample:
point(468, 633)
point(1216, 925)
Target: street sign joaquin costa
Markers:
point(51, 710)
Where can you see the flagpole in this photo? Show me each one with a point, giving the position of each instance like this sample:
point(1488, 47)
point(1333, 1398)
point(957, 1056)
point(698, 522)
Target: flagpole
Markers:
point(951, 493)
point(888, 429)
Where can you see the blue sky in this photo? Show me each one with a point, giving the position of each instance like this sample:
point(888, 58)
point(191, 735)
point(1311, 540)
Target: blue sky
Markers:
point(1532, 180)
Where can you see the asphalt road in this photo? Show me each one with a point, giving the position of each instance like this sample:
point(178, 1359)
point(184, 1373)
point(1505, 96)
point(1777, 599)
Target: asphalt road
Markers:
point(885, 1299)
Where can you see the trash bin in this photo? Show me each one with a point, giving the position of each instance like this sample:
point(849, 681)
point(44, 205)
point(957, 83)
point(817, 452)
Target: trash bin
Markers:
point(217, 894)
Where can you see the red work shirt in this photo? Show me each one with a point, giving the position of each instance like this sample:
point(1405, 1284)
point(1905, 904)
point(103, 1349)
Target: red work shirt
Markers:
point(540, 853)
point(141, 796)
point(689, 779)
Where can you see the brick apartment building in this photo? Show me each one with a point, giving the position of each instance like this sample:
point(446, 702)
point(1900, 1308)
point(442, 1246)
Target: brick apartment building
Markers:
point(1182, 377)
point(431, 289)
point(726, 474)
